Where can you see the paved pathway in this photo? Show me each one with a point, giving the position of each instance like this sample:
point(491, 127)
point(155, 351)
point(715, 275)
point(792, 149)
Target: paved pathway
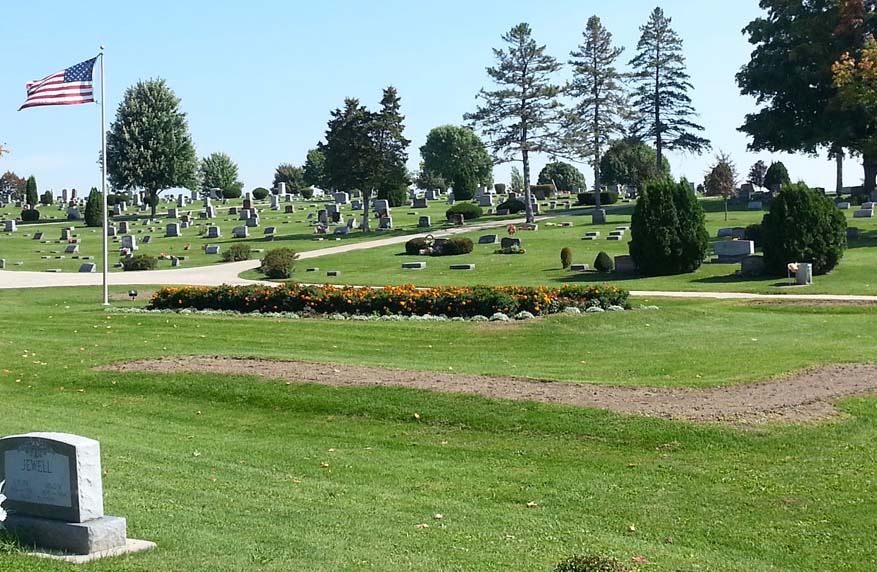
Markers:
point(228, 273)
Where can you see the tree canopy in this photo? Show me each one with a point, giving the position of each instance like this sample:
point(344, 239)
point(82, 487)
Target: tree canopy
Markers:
point(600, 100)
point(522, 115)
point(218, 171)
point(148, 145)
point(660, 97)
point(632, 162)
point(314, 170)
point(563, 176)
point(291, 175)
point(776, 174)
point(458, 156)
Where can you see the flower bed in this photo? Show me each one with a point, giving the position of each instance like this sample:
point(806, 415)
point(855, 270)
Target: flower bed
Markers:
point(399, 300)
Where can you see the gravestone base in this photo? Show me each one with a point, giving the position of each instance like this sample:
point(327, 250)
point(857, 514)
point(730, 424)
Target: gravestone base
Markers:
point(98, 535)
point(131, 546)
point(598, 216)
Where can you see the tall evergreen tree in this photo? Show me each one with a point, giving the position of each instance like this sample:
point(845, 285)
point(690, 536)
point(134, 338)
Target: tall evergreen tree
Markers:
point(30, 191)
point(522, 115)
point(757, 173)
point(661, 94)
point(148, 145)
point(601, 104)
point(391, 147)
point(350, 152)
point(94, 208)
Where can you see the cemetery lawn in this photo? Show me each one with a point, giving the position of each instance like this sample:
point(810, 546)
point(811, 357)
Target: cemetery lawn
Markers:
point(241, 473)
point(856, 274)
point(292, 231)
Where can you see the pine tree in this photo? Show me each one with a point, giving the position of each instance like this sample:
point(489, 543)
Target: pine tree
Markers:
point(350, 152)
point(661, 96)
point(94, 208)
point(30, 191)
point(522, 115)
point(757, 173)
point(390, 173)
point(601, 104)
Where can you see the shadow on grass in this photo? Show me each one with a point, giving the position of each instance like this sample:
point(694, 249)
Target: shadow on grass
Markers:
point(593, 277)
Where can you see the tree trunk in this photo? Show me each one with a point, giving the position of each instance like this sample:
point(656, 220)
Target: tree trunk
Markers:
point(659, 145)
point(726, 209)
point(597, 204)
point(839, 159)
point(153, 201)
point(366, 199)
point(527, 193)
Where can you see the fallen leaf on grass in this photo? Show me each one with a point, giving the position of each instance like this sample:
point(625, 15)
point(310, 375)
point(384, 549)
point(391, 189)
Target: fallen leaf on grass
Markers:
point(532, 504)
point(422, 525)
point(640, 559)
point(438, 516)
point(324, 465)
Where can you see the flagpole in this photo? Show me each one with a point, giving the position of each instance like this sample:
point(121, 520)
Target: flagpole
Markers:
point(103, 137)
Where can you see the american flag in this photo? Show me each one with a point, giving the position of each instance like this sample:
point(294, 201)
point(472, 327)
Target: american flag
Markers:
point(71, 86)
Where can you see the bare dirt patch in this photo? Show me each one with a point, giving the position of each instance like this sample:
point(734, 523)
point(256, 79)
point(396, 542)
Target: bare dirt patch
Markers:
point(806, 396)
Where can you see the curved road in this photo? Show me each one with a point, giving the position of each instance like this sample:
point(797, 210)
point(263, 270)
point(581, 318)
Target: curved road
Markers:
point(228, 273)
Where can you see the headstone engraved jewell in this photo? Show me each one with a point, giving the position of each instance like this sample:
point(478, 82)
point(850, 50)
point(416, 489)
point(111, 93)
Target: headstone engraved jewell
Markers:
point(55, 500)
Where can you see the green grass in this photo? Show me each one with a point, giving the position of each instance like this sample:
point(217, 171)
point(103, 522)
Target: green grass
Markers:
point(293, 231)
point(856, 274)
point(224, 472)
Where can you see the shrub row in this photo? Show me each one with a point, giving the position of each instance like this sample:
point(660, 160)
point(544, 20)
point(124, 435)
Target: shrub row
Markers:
point(400, 300)
point(606, 198)
point(468, 210)
point(440, 246)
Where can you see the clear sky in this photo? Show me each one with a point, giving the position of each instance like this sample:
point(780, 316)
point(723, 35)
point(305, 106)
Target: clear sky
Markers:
point(258, 78)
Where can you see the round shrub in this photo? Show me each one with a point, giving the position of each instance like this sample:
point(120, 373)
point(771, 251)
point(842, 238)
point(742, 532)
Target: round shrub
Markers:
point(455, 246)
point(30, 215)
point(468, 210)
point(606, 198)
point(260, 193)
point(668, 231)
point(566, 257)
point(514, 206)
point(542, 192)
point(307, 193)
point(139, 262)
point(803, 226)
point(47, 198)
point(604, 262)
point(237, 252)
point(591, 563)
point(233, 192)
point(500, 188)
point(278, 263)
point(415, 245)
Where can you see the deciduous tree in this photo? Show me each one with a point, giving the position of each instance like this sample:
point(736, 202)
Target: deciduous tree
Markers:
point(218, 171)
point(632, 162)
point(291, 175)
point(757, 173)
point(148, 145)
point(721, 179)
point(563, 176)
point(459, 157)
point(314, 171)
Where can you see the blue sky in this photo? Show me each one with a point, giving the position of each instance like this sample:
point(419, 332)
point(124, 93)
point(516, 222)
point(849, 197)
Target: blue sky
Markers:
point(258, 79)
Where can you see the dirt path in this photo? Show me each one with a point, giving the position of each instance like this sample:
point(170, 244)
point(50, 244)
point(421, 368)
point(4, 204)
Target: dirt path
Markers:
point(802, 397)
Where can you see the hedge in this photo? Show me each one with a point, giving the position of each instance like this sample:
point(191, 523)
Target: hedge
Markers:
point(606, 198)
point(401, 300)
